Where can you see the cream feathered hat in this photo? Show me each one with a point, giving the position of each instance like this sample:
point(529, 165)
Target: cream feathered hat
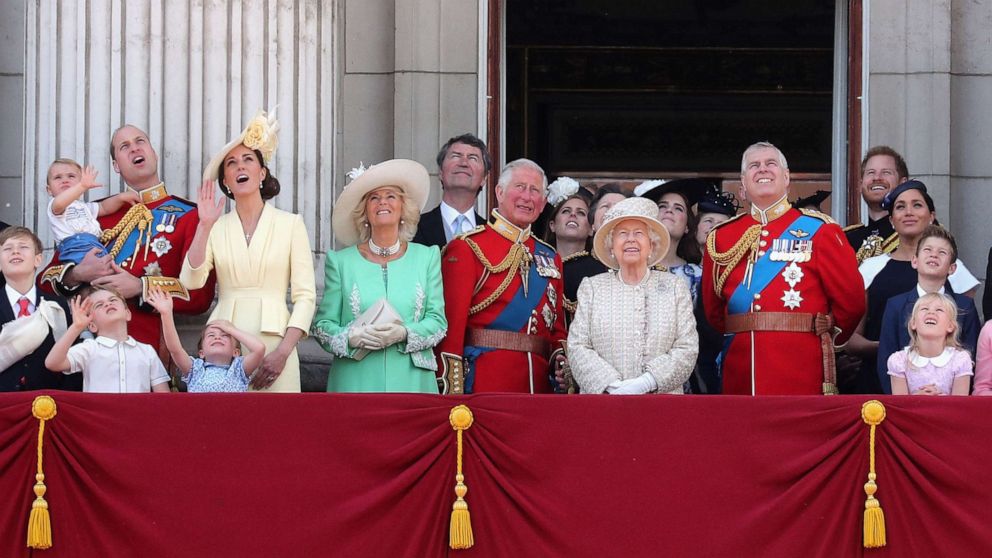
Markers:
point(261, 133)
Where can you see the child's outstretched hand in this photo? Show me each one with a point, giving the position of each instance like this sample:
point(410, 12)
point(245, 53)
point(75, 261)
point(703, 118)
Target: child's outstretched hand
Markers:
point(80, 309)
point(88, 178)
point(160, 300)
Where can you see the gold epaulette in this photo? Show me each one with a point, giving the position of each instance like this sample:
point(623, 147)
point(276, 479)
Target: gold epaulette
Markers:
point(575, 256)
point(170, 285)
point(853, 227)
point(467, 234)
point(544, 243)
point(890, 244)
point(817, 215)
point(728, 221)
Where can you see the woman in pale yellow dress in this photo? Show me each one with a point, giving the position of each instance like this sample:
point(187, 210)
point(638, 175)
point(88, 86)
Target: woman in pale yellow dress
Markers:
point(259, 253)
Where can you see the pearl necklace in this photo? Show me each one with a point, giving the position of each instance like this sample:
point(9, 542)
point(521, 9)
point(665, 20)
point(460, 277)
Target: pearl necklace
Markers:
point(384, 252)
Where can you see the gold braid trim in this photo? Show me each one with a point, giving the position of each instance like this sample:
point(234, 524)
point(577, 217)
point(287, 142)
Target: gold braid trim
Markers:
point(514, 258)
point(728, 260)
point(138, 216)
point(890, 244)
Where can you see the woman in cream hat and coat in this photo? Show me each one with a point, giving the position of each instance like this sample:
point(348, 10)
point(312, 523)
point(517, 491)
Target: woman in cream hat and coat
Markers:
point(259, 253)
point(383, 306)
point(633, 331)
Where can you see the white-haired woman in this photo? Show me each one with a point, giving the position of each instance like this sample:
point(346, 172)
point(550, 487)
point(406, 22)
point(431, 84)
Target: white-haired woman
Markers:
point(383, 306)
point(634, 330)
point(258, 251)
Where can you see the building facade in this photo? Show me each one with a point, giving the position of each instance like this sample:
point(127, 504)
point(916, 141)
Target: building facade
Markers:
point(368, 80)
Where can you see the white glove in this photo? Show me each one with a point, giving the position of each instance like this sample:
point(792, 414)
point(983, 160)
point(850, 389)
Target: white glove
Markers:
point(645, 383)
point(361, 337)
point(387, 334)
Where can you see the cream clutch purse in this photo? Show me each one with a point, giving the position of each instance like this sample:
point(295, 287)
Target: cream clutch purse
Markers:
point(379, 313)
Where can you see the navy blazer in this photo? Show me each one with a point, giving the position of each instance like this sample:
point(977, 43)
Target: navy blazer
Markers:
point(30, 373)
point(430, 230)
point(894, 336)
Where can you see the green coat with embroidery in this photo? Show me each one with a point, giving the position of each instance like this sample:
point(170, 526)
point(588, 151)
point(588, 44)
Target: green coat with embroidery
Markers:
point(412, 286)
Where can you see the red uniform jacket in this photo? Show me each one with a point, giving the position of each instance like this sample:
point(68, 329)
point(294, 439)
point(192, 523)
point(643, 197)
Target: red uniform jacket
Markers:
point(783, 363)
point(468, 282)
point(174, 224)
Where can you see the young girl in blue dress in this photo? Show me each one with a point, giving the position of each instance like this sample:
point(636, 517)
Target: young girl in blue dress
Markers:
point(220, 367)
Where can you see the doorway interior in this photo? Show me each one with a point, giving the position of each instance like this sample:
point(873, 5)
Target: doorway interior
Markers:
point(606, 90)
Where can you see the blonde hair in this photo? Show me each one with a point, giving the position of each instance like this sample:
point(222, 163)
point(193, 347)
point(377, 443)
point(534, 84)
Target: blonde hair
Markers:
point(952, 339)
point(61, 161)
point(409, 217)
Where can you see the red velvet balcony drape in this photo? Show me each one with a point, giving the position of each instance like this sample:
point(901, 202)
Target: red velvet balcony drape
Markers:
point(373, 475)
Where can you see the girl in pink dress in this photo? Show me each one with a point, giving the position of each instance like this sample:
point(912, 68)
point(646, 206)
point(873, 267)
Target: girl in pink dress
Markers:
point(934, 362)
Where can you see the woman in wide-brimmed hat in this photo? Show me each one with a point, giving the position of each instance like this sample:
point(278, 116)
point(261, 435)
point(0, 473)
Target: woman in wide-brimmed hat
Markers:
point(634, 331)
point(259, 253)
point(383, 306)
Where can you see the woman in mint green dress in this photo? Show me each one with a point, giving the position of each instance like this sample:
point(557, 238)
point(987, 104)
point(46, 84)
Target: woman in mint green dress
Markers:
point(382, 347)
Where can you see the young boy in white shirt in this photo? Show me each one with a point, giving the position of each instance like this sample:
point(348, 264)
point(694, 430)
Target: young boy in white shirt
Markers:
point(113, 362)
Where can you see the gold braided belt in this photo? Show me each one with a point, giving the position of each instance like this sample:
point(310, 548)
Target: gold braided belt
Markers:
point(725, 262)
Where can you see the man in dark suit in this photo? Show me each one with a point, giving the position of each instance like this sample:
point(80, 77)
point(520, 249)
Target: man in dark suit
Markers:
point(20, 258)
point(463, 164)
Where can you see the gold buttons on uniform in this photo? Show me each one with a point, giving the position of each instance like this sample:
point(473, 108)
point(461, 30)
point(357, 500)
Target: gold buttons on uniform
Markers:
point(757, 308)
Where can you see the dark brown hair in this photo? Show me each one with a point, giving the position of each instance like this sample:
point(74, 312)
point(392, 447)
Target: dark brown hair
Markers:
point(886, 150)
point(270, 186)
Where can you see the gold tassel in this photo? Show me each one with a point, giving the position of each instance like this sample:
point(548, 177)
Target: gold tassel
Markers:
point(873, 413)
point(460, 534)
point(39, 523)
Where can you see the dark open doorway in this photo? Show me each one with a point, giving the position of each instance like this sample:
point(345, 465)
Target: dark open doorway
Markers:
point(639, 88)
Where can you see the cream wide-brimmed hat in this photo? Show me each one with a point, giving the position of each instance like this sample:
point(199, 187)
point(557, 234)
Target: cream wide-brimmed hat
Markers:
point(639, 209)
point(261, 133)
point(409, 176)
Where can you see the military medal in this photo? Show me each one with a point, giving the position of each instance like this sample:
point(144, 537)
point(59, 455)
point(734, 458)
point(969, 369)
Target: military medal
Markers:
point(788, 250)
point(552, 295)
point(549, 316)
point(168, 223)
point(792, 299)
point(153, 269)
point(546, 266)
point(793, 274)
point(161, 246)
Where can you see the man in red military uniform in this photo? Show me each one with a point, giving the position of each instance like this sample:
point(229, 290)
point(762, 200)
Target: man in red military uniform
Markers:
point(147, 243)
point(503, 296)
point(778, 281)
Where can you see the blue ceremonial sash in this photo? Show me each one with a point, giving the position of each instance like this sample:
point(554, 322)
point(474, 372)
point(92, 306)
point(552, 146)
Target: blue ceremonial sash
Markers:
point(765, 269)
point(514, 315)
point(171, 207)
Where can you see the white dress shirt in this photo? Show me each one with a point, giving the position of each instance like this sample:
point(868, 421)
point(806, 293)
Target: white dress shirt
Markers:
point(109, 366)
point(13, 296)
point(449, 214)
